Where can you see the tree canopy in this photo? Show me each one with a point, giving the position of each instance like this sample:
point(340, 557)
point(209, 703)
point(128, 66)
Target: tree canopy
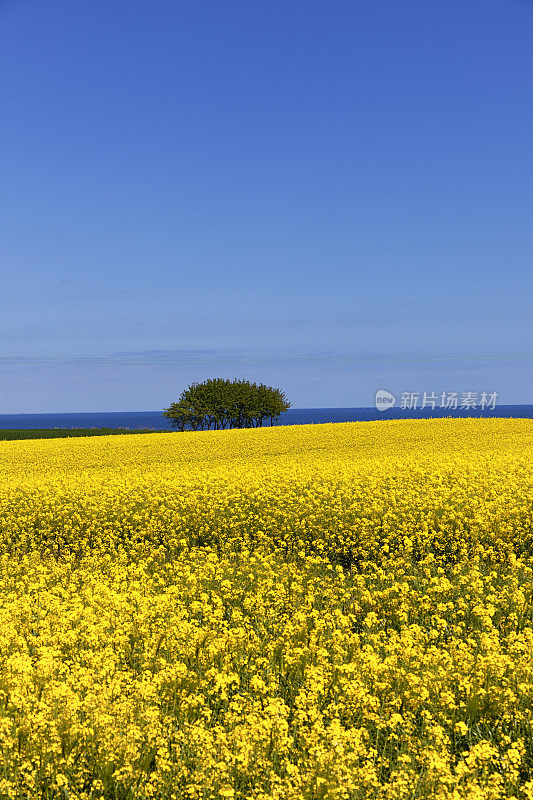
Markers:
point(220, 403)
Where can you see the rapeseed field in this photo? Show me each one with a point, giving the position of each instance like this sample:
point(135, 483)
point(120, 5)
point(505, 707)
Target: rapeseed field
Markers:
point(300, 613)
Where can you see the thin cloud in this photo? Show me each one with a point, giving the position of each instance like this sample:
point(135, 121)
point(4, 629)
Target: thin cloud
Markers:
point(179, 352)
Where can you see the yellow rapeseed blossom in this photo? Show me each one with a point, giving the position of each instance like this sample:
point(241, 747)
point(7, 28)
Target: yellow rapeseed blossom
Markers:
point(299, 613)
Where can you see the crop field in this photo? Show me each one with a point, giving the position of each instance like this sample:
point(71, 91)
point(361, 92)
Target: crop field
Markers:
point(302, 613)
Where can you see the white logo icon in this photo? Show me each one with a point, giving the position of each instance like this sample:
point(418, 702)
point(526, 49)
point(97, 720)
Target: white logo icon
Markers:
point(384, 400)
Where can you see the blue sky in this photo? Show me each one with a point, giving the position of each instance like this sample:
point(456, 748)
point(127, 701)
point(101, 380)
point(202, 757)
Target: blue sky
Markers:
point(286, 191)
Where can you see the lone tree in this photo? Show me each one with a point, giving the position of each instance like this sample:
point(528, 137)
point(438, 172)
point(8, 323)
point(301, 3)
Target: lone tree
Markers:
point(219, 403)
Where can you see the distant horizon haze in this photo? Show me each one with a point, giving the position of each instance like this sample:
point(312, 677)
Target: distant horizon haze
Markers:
point(118, 385)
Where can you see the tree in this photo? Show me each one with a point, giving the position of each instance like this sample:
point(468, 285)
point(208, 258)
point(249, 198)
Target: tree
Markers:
point(220, 403)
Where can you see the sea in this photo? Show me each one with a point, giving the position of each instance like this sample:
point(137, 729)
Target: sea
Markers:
point(153, 420)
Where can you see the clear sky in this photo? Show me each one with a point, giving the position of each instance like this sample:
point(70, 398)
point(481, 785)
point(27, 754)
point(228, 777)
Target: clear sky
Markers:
point(286, 190)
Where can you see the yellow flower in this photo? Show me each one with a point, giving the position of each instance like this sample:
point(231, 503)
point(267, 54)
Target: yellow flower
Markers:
point(294, 612)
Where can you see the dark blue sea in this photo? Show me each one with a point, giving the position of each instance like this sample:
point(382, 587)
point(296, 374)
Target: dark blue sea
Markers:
point(134, 420)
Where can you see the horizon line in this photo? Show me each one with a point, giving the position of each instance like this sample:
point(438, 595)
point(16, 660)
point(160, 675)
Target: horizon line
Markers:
point(302, 408)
